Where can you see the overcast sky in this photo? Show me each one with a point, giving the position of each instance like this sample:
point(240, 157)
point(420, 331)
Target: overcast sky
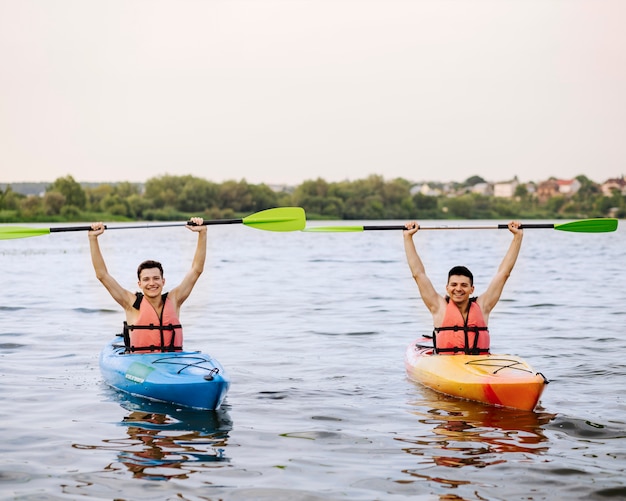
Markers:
point(281, 91)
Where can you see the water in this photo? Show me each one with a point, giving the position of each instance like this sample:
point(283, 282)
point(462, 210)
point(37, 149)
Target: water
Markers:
point(312, 329)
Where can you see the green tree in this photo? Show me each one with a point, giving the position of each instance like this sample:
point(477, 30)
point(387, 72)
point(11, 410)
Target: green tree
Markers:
point(587, 188)
point(30, 207)
point(263, 197)
point(333, 207)
point(162, 192)
point(136, 206)
point(426, 207)
point(474, 180)
point(555, 204)
point(126, 189)
point(585, 200)
point(500, 208)
point(115, 205)
point(461, 207)
point(70, 213)
point(235, 195)
point(310, 188)
point(365, 200)
point(95, 196)
point(311, 195)
point(374, 208)
point(521, 191)
point(9, 199)
point(197, 195)
point(397, 201)
point(71, 190)
point(53, 202)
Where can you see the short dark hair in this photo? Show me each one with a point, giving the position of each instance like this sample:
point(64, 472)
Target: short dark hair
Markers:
point(146, 265)
point(463, 271)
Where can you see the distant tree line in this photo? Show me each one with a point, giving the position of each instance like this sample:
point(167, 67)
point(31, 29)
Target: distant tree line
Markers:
point(168, 198)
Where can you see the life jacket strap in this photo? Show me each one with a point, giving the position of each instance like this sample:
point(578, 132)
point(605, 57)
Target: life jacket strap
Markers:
point(168, 327)
point(153, 348)
point(466, 349)
point(126, 334)
point(459, 328)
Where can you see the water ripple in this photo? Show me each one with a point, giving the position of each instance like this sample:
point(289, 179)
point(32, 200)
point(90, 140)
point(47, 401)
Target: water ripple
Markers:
point(580, 428)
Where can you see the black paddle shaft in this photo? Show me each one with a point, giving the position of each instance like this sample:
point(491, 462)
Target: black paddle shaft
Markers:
point(219, 221)
point(70, 228)
point(391, 227)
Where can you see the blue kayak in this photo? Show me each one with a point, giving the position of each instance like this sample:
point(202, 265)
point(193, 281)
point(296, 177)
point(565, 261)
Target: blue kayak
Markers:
point(186, 378)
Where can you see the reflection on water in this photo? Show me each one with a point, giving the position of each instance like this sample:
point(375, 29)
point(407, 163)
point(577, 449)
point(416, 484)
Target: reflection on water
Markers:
point(465, 433)
point(164, 442)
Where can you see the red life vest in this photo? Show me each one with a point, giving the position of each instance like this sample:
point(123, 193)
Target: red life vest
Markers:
point(154, 332)
point(457, 335)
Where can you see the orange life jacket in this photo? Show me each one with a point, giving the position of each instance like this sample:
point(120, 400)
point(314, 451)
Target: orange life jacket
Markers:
point(463, 336)
point(154, 331)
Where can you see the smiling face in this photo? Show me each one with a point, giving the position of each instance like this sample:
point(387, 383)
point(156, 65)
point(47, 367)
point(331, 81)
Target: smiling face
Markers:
point(459, 288)
point(151, 282)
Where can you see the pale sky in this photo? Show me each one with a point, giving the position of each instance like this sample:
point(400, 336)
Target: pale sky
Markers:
point(281, 91)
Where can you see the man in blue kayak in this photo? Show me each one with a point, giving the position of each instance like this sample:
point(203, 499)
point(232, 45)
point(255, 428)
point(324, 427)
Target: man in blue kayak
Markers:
point(460, 320)
point(152, 317)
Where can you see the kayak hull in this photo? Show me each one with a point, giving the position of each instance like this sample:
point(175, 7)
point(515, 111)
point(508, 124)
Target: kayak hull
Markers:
point(187, 378)
point(501, 380)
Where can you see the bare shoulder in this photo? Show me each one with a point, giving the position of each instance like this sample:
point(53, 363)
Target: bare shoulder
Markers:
point(485, 304)
point(128, 299)
point(176, 297)
point(438, 310)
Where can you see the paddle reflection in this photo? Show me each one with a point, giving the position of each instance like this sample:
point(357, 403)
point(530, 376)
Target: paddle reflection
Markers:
point(463, 433)
point(165, 442)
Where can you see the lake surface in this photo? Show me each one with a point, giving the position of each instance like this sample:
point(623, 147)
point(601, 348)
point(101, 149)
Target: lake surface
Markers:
point(312, 328)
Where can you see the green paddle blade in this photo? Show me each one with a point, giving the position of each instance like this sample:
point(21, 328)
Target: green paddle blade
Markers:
point(599, 225)
point(278, 219)
point(10, 232)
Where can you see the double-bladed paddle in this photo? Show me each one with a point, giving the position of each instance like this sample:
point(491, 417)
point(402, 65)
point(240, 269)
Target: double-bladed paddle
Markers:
point(278, 219)
point(599, 225)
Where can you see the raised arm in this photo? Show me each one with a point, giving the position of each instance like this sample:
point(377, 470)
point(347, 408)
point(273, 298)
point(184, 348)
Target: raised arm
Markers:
point(429, 295)
point(181, 292)
point(122, 296)
point(490, 297)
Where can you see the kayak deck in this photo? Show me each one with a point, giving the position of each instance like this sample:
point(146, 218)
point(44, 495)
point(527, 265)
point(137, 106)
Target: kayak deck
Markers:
point(186, 378)
point(501, 380)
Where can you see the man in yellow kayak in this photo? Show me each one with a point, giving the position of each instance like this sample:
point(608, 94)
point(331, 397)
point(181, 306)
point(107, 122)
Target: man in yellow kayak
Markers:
point(460, 320)
point(152, 317)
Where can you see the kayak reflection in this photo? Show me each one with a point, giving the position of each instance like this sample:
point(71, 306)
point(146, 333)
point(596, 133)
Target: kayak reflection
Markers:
point(165, 442)
point(463, 433)
point(168, 442)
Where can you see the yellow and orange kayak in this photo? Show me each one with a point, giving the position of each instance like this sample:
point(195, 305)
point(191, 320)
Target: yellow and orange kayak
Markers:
point(503, 380)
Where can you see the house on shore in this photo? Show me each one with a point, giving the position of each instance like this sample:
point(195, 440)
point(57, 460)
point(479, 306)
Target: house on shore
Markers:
point(555, 187)
point(612, 185)
point(505, 189)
